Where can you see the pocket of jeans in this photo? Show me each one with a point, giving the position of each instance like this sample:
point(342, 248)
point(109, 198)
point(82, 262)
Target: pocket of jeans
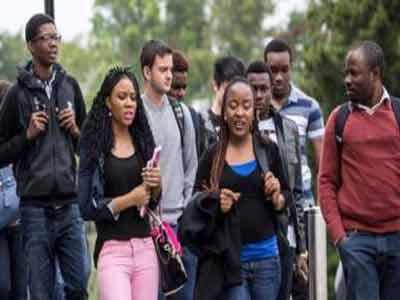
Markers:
point(148, 243)
point(110, 246)
point(350, 235)
point(30, 214)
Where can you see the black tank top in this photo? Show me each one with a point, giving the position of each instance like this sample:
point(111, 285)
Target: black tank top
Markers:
point(121, 175)
point(256, 214)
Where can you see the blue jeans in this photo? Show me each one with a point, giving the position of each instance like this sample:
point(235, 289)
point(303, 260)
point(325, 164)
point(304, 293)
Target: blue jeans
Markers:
point(52, 234)
point(190, 263)
point(13, 274)
point(261, 281)
point(371, 264)
point(59, 293)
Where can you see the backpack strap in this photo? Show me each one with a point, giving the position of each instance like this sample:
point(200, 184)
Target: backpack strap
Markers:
point(179, 117)
point(396, 109)
point(341, 118)
point(261, 154)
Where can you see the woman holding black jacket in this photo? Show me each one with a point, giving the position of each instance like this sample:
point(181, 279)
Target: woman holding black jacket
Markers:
point(246, 173)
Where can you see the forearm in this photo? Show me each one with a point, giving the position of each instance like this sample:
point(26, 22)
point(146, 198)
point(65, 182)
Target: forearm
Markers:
point(123, 202)
point(13, 149)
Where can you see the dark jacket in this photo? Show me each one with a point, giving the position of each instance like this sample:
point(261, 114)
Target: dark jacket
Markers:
point(45, 168)
point(208, 233)
point(215, 239)
point(289, 149)
point(199, 130)
point(92, 202)
point(212, 126)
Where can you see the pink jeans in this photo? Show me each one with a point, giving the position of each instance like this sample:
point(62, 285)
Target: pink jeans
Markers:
point(128, 270)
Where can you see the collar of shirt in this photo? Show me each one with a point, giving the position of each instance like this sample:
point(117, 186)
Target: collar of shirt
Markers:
point(370, 110)
point(47, 84)
point(292, 98)
point(293, 95)
point(150, 103)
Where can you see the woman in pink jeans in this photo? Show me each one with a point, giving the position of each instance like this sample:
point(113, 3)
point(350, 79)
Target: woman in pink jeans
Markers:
point(116, 143)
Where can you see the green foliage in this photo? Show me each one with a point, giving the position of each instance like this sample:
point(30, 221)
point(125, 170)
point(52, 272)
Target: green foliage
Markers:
point(12, 53)
point(121, 27)
point(329, 28)
point(332, 262)
point(186, 28)
point(76, 59)
point(201, 29)
point(238, 26)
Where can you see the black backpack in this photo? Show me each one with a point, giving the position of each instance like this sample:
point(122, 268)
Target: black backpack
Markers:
point(179, 117)
point(341, 118)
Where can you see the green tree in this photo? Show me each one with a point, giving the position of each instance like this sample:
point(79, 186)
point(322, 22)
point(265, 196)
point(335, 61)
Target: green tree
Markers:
point(12, 53)
point(238, 26)
point(331, 27)
point(119, 30)
point(186, 26)
point(121, 27)
point(77, 61)
point(187, 29)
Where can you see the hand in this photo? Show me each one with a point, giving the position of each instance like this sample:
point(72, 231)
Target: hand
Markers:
point(37, 125)
point(341, 240)
point(141, 195)
point(272, 187)
point(302, 262)
point(66, 117)
point(227, 199)
point(151, 177)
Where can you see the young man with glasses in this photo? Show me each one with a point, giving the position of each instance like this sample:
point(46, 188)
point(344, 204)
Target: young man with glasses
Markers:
point(40, 120)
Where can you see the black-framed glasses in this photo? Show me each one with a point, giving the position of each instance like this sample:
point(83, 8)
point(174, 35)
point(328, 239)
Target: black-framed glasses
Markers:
point(47, 37)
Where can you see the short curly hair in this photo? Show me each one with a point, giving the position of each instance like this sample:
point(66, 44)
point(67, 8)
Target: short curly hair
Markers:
point(373, 54)
point(179, 61)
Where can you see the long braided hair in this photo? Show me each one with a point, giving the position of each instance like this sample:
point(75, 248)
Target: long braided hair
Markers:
point(222, 144)
point(97, 134)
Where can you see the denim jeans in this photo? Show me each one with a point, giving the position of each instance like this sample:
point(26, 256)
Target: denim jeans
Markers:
point(261, 281)
point(52, 234)
point(13, 274)
point(59, 293)
point(190, 263)
point(371, 264)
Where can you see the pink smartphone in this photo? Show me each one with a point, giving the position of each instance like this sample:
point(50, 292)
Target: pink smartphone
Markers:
point(152, 163)
point(155, 159)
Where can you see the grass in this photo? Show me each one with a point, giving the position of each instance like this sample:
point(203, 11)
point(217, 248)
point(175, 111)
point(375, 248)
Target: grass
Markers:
point(92, 285)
